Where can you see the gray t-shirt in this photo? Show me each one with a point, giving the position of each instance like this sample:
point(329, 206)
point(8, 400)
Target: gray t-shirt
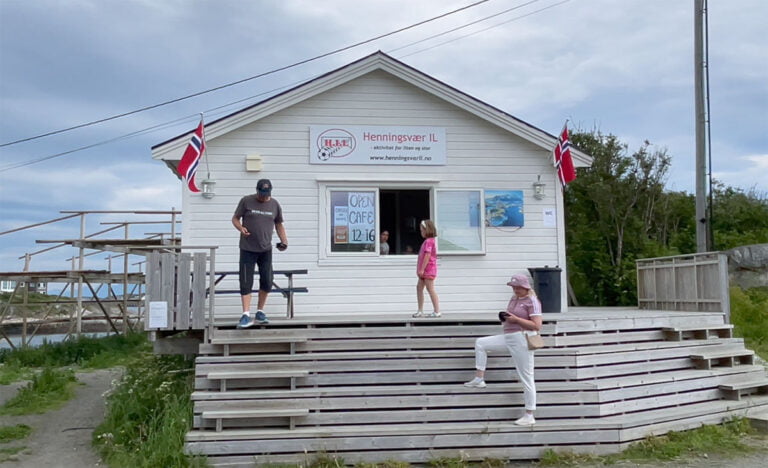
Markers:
point(260, 219)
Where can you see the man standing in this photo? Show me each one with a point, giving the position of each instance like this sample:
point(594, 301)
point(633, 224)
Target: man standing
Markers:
point(255, 217)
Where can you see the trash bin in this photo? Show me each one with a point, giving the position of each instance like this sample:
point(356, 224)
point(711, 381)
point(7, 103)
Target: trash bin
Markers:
point(546, 283)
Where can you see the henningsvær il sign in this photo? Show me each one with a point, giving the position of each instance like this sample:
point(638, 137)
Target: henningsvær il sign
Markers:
point(398, 146)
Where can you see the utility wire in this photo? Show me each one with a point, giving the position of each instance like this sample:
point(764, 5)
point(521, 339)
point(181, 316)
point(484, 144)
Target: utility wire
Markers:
point(478, 31)
point(463, 26)
point(270, 72)
point(220, 109)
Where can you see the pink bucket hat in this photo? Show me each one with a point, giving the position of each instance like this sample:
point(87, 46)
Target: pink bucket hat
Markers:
point(519, 280)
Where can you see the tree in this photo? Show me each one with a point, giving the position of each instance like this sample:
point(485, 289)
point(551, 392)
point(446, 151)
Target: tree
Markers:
point(618, 211)
point(739, 217)
point(611, 211)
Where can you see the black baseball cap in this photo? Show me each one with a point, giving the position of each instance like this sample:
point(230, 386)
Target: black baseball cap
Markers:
point(264, 187)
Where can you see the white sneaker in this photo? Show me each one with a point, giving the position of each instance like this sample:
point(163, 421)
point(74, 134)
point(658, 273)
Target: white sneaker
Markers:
point(418, 314)
point(477, 382)
point(526, 420)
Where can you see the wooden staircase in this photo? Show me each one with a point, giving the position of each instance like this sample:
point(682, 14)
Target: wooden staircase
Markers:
point(391, 389)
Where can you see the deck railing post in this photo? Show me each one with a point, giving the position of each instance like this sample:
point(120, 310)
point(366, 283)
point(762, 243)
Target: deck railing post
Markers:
point(725, 290)
point(80, 266)
point(211, 292)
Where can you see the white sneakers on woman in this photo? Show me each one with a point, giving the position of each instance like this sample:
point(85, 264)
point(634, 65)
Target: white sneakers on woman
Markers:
point(526, 420)
point(477, 382)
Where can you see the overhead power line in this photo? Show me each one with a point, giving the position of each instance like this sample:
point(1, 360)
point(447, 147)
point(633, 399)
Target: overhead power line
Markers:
point(260, 75)
point(220, 109)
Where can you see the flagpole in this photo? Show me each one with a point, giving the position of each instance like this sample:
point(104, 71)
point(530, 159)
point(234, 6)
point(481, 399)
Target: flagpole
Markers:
point(205, 148)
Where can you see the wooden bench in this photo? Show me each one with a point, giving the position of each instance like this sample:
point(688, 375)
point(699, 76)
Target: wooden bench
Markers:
point(287, 292)
point(735, 391)
point(256, 374)
point(289, 413)
point(698, 332)
point(722, 357)
point(275, 340)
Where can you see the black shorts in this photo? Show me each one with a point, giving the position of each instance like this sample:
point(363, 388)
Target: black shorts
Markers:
point(248, 260)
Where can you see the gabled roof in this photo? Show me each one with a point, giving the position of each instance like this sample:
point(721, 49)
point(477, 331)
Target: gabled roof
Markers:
point(172, 150)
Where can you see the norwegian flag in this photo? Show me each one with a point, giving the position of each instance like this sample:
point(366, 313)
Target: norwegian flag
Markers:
point(191, 159)
point(563, 161)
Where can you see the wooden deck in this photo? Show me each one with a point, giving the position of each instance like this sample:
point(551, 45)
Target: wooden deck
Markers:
point(390, 388)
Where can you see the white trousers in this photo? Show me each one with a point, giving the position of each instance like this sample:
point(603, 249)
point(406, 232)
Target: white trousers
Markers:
point(517, 346)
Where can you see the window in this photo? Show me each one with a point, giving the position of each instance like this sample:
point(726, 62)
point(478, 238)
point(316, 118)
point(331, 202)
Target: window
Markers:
point(355, 216)
point(459, 221)
point(353, 220)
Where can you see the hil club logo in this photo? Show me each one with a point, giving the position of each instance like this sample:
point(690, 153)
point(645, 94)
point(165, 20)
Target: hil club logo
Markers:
point(335, 143)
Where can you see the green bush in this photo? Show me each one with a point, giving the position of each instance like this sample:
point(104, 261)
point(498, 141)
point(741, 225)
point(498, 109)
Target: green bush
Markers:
point(148, 415)
point(749, 315)
point(83, 351)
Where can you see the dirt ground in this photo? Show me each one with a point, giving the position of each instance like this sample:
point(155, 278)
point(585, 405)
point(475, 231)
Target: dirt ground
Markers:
point(62, 438)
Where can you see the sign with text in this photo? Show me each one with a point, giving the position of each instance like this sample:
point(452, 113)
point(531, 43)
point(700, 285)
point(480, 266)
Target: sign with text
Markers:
point(354, 221)
point(158, 314)
point(399, 146)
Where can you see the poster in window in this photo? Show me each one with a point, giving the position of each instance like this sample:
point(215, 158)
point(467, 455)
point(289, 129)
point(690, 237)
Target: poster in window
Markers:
point(353, 227)
point(504, 208)
point(340, 224)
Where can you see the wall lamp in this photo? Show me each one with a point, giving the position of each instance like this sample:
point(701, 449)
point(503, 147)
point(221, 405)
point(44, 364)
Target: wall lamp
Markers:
point(209, 188)
point(538, 189)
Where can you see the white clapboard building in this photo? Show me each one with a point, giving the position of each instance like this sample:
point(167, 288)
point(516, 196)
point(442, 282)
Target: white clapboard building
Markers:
point(378, 145)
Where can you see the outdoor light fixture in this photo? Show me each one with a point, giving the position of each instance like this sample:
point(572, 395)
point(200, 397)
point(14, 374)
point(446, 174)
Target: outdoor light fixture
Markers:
point(538, 189)
point(208, 188)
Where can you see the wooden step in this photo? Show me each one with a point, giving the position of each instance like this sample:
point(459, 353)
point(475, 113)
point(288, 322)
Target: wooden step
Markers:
point(552, 423)
point(698, 332)
point(223, 376)
point(492, 407)
point(736, 390)
point(607, 384)
point(717, 356)
point(382, 389)
point(220, 415)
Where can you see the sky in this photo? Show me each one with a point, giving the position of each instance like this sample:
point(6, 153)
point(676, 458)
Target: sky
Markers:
point(624, 67)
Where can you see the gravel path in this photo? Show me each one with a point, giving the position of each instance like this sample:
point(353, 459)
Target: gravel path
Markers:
point(62, 438)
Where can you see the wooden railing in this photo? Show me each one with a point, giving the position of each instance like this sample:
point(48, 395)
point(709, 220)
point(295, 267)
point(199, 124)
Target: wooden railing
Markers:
point(696, 282)
point(177, 285)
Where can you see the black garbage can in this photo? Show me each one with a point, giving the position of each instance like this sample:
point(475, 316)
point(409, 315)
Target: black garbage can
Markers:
point(546, 283)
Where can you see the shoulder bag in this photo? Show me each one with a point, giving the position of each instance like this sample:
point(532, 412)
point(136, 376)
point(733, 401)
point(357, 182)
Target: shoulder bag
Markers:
point(535, 341)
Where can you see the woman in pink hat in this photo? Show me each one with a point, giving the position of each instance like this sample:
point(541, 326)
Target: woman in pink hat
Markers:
point(523, 315)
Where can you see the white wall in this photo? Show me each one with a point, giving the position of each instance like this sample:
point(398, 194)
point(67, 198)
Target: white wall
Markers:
point(479, 155)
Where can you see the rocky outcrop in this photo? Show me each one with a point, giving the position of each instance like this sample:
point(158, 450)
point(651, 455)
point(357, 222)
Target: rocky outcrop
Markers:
point(748, 266)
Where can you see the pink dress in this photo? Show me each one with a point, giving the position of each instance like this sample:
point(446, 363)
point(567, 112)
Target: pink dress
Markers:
point(429, 246)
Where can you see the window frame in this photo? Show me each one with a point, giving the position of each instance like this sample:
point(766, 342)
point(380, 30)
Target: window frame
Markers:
point(326, 186)
point(325, 220)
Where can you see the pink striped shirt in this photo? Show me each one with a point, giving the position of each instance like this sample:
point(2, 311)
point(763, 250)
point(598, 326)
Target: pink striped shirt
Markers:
point(523, 307)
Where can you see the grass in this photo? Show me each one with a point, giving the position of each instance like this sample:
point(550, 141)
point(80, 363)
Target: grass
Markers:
point(749, 315)
point(9, 453)
point(48, 390)
point(84, 352)
point(148, 415)
point(11, 433)
point(725, 438)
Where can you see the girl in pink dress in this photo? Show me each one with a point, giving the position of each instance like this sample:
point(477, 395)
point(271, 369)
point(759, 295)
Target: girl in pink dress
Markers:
point(426, 269)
